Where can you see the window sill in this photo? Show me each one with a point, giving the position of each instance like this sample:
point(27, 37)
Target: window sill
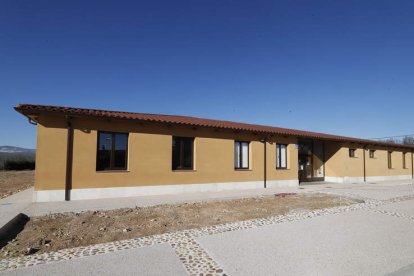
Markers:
point(113, 171)
point(282, 169)
point(184, 170)
point(243, 170)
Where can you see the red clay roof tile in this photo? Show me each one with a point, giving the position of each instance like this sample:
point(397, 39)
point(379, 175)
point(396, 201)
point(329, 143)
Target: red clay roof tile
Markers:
point(29, 109)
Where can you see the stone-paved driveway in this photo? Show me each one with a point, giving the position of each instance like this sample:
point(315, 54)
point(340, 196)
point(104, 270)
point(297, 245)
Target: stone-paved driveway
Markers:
point(371, 238)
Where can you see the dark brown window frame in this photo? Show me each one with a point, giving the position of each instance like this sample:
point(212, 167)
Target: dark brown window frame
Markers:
point(181, 167)
point(241, 155)
point(112, 154)
point(278, 157)
point(352, 153)
point(371, 153)
point(389, 159)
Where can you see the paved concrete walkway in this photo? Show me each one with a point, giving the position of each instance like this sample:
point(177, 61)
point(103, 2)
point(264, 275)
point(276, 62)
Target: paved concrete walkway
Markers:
point(15, 204)
point(353, 243)
point(22, 202)
point(374, 240)
point(42, 208)
point(153, 260)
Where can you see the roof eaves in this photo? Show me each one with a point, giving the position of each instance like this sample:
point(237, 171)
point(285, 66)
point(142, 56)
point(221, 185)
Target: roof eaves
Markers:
point(27, 109)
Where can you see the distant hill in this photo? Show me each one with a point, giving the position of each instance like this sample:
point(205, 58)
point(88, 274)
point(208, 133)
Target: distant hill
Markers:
point(15, 154)
point(11, 149)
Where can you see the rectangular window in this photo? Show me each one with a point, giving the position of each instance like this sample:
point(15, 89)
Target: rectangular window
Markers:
point(281, 156)
point(241, 155)
point(389, 160)
point(182, 153)
point(112, 151)
point(371, 153)
point(403, 160)
point(351, 152)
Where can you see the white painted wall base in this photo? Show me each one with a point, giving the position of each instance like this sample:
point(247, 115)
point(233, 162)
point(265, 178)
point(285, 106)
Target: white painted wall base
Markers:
point(369, 178)
point(345, 179)
point(282, 183)
point(387, 178)
point(97, 193)
point(49, 195)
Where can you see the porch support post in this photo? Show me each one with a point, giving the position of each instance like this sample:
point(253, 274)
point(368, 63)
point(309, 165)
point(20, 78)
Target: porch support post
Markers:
point(365, 169)
point(69, 159)
point(264, 141)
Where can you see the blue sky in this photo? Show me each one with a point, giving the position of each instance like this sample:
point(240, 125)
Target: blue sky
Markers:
point(341, 67)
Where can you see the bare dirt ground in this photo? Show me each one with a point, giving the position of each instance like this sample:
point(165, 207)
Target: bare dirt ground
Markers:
point(12, 182)
point(54, 232)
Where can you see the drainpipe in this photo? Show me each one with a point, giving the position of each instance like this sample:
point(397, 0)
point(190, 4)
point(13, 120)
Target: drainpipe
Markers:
point(69, 159)
point(264, 141)
point(412, 166)
point(365, 173)
point(265, 166)
point(31, 121)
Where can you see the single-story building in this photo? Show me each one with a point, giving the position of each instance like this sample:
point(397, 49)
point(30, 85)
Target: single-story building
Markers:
point(89, 154)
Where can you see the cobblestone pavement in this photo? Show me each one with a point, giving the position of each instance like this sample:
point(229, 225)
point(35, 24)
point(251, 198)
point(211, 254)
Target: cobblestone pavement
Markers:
point(193, 257)
point(395, 214)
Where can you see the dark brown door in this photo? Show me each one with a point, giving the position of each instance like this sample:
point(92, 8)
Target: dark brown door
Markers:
point(305, 161)
point(305, 168)
point(311, 164)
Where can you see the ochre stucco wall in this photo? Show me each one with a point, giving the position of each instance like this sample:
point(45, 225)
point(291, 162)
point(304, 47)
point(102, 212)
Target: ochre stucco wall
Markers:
point(150, 155)
point(51, 154)
point(334, 160)
point(341, 165)
point(353, 166)
point(291, 172)
point(378, 166)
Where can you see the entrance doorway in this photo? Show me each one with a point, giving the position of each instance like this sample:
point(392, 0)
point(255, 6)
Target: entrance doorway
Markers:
point(311, 160)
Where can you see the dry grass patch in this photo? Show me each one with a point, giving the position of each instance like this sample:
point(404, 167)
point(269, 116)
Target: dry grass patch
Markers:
point(54, 232)
point(12, 182)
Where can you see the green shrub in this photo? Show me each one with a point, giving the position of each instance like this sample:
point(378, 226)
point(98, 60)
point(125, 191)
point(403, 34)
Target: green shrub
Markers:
point(19, 165)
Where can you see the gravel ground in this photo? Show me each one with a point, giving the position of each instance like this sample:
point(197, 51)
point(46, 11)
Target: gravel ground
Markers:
point(59, 231)
point(12, 182)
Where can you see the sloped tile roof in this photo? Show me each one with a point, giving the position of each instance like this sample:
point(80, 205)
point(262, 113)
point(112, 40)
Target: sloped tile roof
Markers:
point(29, 109)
